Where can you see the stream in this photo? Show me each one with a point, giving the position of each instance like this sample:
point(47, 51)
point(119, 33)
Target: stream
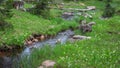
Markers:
point(9, 61)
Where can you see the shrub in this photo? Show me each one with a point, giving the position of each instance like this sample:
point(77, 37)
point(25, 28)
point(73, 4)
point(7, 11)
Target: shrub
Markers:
point(4, 14)
point(109, 10)
point(41, 8)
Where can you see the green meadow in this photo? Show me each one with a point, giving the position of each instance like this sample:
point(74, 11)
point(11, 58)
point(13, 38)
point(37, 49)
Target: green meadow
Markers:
point(101, 51)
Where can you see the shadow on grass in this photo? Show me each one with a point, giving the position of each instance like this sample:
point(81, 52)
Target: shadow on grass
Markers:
point(5, 26)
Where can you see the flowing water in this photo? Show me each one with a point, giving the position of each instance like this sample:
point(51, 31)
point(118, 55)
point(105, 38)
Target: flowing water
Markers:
point(7, 61)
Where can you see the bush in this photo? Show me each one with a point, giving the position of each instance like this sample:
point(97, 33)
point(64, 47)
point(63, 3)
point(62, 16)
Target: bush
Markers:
point(4, 14)
point(9, 4)
point(109, 11)
point(41, 8)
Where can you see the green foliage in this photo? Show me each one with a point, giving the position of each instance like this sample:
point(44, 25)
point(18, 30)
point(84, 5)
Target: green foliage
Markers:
point(79, 55)
point(41, 8)
point(5, 13)
point(23, 26)
point(101, 51)
point(109, 11)
point(9, 4)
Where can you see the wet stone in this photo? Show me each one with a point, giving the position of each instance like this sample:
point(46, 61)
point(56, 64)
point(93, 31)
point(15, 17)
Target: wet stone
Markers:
point(68, 15)
point(76, 38)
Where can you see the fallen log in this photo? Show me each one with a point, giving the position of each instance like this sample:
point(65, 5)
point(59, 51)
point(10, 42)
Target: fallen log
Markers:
point(80, 10)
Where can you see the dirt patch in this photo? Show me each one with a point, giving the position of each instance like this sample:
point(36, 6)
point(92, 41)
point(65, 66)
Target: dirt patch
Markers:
point(37, 38)
point(9, 49)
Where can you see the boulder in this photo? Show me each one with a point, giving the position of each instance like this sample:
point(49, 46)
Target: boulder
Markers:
point(47, 64)
point(86, 27)
point(91, 7)
point(91, 23)
point(28, 42)
point(71, 40)
point(77, 38)
point(80, 37)
point(86, 15)
point(68, 13)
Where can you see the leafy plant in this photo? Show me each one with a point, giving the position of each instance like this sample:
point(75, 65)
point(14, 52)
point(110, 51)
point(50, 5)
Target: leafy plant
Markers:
point(109, 11)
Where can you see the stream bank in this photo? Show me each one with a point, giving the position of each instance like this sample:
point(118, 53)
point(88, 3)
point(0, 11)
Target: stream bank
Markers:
point(8, 60)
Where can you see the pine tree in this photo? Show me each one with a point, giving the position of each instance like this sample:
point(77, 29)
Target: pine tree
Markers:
point(109, 10)
point(4, 14)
